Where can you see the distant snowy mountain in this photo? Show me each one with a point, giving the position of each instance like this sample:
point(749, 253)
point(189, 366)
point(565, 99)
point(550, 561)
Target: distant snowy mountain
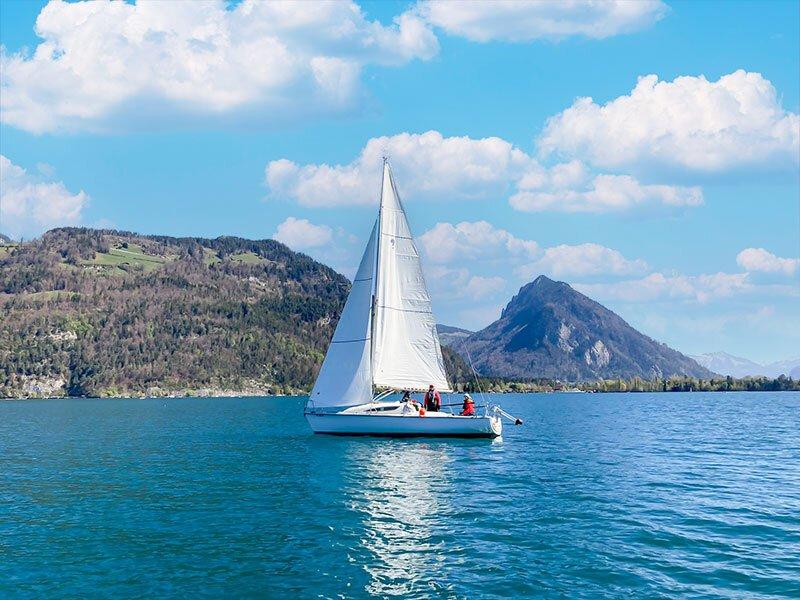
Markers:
point(736, 366)
point(786, 367)
point(727, 364)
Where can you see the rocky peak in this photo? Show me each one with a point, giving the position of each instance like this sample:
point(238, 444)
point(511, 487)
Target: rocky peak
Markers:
point(550, 330)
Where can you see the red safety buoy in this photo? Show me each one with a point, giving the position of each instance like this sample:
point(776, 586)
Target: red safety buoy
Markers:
point(421, 412)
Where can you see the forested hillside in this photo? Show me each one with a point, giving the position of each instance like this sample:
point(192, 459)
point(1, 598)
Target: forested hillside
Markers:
point(102, 312)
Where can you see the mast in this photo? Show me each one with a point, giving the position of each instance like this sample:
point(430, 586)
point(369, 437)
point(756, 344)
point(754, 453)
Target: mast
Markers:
point(375, 272)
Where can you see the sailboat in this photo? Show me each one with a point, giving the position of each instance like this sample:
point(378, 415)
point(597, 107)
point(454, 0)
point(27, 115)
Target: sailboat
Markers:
point(386, 342)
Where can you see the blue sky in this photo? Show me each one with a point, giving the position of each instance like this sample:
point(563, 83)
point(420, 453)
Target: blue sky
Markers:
point(674, 200)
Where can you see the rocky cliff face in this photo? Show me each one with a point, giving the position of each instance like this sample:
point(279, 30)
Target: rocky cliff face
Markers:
point(550, 330)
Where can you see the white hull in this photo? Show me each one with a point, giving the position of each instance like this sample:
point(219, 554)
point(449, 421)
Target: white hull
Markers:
point(410, 424)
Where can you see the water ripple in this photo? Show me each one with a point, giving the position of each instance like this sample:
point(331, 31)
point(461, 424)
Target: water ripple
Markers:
point(597, 496)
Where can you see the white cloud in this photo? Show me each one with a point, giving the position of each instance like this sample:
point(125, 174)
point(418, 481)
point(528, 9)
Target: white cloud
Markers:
point(478, 317)
point(29, 206)
point(300, 234)
point(568, 188)
point(758, 259)
point(689, 123)
point(446, 242)
point(429, 165)
point(526, 20)
point(447, 283)
point(480, 243)
point(104, 65)
point(580, 260)
point(426, 164)
point(657, 286)
point(484, 287)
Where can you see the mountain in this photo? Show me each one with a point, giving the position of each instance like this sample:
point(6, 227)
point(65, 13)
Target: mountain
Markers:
point(104, 312)
point(450, 335)
point(790, 368)
point(727, 364)
point(549, 330)
point(735, 366)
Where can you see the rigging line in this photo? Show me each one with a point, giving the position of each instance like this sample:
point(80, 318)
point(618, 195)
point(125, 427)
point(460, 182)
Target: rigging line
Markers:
point(427, 312)
point(349, 341)
point(475, 374)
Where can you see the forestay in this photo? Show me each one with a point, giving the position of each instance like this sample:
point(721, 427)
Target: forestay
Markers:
point(406, 350)
point(345, 378)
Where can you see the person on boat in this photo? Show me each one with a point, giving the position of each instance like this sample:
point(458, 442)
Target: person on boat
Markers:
point(433, 401)
point(468, 408)
point(409, 404)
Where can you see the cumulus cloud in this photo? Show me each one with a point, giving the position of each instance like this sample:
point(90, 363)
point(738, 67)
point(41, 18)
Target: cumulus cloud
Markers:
point(758, 259)
point(426, 164)
point(446, 242)
point(657, 286)
point(300, 234)
point(29, 205)
point(689, 124)
point(526, 20)
point(478, 317)
point(457, 283)
point(432, 166)
point(580, 260)
point(484, 287)
point(567, 187)
point(102, 65)
point(481, 243)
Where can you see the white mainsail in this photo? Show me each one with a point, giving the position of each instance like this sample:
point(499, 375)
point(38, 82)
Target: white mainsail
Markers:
point(406, 354)
point(345, 378)
point(386, 335)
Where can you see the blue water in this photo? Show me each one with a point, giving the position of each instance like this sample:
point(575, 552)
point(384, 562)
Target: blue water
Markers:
point(596, 496)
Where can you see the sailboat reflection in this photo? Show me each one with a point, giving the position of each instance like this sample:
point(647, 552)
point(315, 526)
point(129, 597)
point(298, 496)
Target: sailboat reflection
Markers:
point(403, 498)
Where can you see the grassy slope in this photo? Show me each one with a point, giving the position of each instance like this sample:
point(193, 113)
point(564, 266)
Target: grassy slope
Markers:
point(131, 256)
point(110, 312)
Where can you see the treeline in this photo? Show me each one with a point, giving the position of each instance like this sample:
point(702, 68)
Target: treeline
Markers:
point(635, 384)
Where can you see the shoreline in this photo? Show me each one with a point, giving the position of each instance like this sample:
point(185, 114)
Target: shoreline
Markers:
point(273, 395)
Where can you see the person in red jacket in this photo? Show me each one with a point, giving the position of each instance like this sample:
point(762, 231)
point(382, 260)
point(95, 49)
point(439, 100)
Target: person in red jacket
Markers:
point(433, 401)
point(468, 408)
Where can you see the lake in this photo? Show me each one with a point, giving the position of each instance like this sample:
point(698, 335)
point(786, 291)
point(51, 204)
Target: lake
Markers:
point(595, 496)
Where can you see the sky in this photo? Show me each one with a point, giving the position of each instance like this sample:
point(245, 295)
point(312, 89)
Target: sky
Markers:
point(645, 152)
